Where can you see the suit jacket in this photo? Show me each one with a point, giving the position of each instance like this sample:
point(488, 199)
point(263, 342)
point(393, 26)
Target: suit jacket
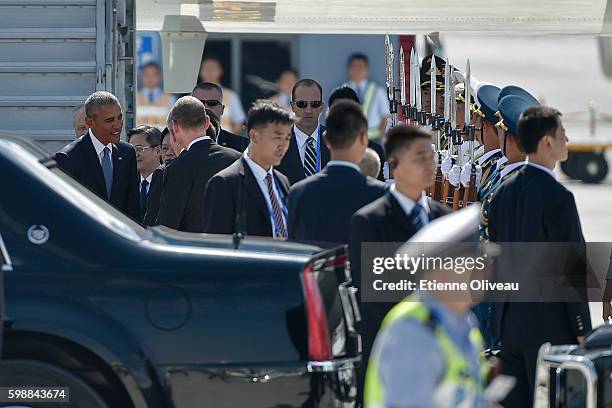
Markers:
point(292, 166)
point(79, 160)
point(343, 190)
point(531, 206)
point(232, 141)
point(383, 220)
point(184, 183)
point(153, 198)
point(381, 155)
point(236, 189)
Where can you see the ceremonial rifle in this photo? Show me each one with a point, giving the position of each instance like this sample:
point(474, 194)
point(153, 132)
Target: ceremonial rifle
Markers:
point(435, 127)
point(446, 185)
point(390, 83)
point(470, 194)
point(412, 116)
point(402, 79)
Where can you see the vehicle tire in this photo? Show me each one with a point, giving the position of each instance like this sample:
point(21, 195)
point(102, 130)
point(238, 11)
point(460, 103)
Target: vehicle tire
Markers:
point(23, 373)
point(591, 168)
point(568, 167)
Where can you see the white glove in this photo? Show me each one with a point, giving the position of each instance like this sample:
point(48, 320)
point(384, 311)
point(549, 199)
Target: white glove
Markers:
point(454, 176)
point(447, 165)
point(467, 172)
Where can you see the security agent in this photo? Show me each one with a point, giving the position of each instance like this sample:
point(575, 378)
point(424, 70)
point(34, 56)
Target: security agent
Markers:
point(340, 189)
point(532, 206)
point(395, 217)
point(346, 92)
point(250, 196)
point(428, 352)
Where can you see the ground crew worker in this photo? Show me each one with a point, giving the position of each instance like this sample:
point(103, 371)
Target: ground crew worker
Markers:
point(429, 352)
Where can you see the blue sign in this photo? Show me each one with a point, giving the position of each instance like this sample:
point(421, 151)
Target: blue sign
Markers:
point(148, 48)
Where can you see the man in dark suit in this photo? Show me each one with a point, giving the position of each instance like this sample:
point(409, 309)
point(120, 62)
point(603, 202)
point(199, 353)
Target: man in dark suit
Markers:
point(186, 177)
point(532, 206)
point(346, 92)
point(99, 160)
point(250, 196)
point(211, 95)
point(146, 141)
point(340, 189)
point(395, 217)
point(307, 153)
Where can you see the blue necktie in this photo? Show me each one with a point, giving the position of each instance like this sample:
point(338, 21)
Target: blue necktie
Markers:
point(107, 169)
point(416, 217)
point(143, 195)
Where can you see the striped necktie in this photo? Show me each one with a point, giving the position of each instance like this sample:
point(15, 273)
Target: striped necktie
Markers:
point(310, 157)
point(416, 217)
point(280, 230)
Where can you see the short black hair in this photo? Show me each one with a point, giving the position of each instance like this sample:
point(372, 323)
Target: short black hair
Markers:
point(402, 137)
point(344, 123)
point(206, 86)
point(306, 82)
point(357, 56)
point(342, 92)
point(265, 111)
point(164, 133)
point(534, 124)
point(151, 134)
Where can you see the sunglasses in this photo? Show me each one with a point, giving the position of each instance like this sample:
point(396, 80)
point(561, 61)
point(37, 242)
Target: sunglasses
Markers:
point(304, 104)
point(210, 102)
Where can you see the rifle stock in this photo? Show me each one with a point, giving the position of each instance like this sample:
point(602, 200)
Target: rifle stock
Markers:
point(470, 194)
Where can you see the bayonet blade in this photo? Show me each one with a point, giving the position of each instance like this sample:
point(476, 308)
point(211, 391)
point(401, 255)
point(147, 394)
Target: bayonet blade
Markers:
point(468, 94)
point(412, 70)
point(447, 92)
point(417, 80)
point(432, 85)
point(389, 61)
point(402, 77)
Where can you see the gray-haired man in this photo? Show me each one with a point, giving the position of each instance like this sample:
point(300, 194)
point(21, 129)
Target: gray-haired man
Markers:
point(99, 160)
point(185, 178)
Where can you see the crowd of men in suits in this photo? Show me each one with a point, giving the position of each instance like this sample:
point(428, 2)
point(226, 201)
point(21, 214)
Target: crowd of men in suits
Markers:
point(293, 178)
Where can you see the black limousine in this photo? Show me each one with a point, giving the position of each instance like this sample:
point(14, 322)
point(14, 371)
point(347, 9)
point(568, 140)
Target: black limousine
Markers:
point(125, 316)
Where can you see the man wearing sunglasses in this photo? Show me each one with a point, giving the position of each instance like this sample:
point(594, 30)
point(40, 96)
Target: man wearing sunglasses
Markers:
point(211, 95)
point(307, 153)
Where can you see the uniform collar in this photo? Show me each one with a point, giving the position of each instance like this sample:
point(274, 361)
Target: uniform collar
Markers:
point(509, 168)
point(487, 155)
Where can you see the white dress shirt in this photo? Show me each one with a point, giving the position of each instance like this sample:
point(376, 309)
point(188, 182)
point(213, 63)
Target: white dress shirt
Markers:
point(301, 138)
point(344, 163)
point(199, 139)
point(408, 203)
point(260, 175)
point(543, 168)
point(148, 181)
point(100, 148)
point(510, 168)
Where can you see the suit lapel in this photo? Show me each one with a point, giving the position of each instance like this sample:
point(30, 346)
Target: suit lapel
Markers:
point(293, 155)
point(92, 162)
point(253, 189)
point(396, 213)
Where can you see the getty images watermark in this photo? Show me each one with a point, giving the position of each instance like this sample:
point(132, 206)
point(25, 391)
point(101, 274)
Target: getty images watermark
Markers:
point(521, 272)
